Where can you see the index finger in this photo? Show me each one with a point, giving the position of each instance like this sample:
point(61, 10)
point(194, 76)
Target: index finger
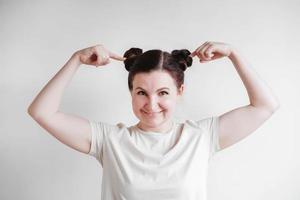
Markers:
point(193, 54)
point(116, 56)
point(196, 51)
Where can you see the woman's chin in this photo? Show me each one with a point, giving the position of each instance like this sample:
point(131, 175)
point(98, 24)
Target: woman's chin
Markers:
point(152, 120)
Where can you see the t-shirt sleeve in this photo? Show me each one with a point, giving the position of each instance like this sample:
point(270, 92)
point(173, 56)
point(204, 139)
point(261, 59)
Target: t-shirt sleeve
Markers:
point(101, 134)
point(98, 138)
point(211, 125)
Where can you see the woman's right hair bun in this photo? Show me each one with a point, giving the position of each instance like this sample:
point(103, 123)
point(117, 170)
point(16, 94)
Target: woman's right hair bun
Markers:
point(131, 56)
point(183, 58)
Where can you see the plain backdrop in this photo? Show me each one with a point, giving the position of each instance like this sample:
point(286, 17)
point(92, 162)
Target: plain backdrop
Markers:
point(38, 37)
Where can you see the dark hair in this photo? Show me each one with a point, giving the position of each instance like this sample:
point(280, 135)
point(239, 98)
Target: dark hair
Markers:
point(175, 63)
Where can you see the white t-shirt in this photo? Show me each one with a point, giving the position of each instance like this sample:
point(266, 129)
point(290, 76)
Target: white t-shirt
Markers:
point(139, 165)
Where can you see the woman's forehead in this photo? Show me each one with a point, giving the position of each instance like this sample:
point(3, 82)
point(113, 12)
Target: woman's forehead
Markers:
point(154, 80)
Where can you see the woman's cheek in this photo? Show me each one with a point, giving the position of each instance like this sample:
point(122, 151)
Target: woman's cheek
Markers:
point(169, 103)
point(139, 102)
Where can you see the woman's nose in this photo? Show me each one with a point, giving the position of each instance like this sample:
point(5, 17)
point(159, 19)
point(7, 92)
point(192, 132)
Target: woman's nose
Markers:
point(152, 104)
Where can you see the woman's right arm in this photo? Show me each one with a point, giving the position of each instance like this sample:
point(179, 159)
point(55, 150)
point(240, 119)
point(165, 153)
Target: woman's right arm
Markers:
point(72, 130)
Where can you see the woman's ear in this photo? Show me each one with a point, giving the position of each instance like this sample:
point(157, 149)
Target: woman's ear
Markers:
point(130, 93)
point(180, 94)
point(181, 89)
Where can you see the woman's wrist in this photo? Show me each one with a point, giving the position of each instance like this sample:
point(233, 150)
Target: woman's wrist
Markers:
point(75, 59)
point(233, 53)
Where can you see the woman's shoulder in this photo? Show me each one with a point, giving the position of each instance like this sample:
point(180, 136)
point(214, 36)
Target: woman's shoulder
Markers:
point(202, 123)
point(107, 127)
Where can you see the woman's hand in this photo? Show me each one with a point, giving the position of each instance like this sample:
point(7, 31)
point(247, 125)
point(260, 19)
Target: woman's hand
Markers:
point(212, 50)
point(96, 55)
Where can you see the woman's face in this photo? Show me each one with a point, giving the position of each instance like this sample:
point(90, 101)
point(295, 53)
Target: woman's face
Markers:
point(154, 99)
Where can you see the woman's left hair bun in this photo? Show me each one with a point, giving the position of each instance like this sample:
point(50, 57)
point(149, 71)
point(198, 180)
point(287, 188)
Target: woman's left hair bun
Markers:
point(183, 58)
point(131, 56)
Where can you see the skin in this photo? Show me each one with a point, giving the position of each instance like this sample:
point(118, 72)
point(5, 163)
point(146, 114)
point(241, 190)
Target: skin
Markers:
point(75, 131)
point(153, 105)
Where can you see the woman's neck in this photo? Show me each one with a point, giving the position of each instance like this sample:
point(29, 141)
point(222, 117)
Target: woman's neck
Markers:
point(163, 128)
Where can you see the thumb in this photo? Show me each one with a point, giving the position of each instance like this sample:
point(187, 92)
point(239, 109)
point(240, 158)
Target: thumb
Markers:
point(116, 56)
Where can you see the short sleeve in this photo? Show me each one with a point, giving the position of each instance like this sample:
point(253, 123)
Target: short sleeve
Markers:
point(100, 133)
point(211, 125)
point(99, 130)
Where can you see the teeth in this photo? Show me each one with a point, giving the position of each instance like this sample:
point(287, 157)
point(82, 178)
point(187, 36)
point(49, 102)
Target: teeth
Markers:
point(152, 113)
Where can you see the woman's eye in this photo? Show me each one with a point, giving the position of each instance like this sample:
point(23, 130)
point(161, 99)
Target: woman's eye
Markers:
point(165, 92)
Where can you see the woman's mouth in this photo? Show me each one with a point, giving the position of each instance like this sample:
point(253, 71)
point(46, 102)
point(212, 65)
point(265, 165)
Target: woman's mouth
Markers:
point(151, 113)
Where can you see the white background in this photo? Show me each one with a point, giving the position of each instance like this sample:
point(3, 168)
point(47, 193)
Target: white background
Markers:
point(38, 37)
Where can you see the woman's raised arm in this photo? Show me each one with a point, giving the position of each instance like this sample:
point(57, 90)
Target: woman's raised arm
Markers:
point(240, 122)
point(73, 131)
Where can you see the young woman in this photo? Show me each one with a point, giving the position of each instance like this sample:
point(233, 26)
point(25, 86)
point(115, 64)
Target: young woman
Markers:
point(157, 158)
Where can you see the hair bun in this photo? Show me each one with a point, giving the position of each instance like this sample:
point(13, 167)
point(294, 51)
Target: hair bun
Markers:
point(130, 56)
point(183, 58)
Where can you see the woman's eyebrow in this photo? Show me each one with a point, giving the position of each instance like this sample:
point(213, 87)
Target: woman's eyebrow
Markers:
point(156, 90)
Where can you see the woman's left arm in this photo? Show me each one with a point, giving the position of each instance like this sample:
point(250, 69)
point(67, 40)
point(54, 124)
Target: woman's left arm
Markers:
point(240, 122)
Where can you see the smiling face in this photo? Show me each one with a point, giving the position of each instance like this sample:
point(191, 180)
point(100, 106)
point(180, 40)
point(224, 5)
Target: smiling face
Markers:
point(154, 99)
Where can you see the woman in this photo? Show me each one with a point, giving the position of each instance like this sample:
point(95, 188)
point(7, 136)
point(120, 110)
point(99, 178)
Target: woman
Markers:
point(157, 158)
